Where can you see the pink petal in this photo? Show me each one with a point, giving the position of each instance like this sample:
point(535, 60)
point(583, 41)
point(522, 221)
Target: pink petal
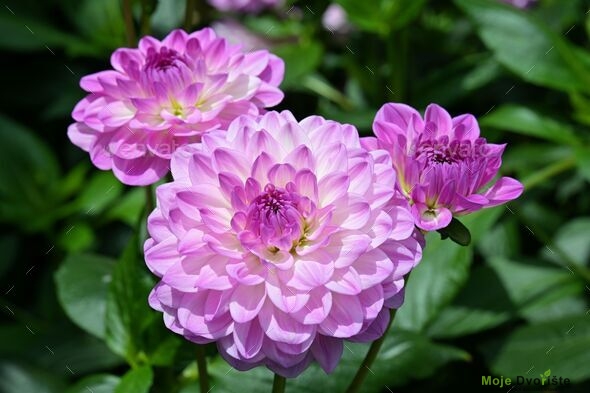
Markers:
point(504, 190)
point(333, 187)
point(440, 118)
point(309, 273)
point(246, 302)
point(248, 338)
point(140, 171)
point(281, 327)
point(373, 267)
point(286, 299)
point(345, 318)
point(317, 308)
point(327, 351)
point(345, 281)
point(161, 256)
point(431, 219)
point(82, 135)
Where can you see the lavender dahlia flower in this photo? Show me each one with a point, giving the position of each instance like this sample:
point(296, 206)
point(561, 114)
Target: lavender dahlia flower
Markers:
point(244, 5)
point(278, 240)
point(165, 94)
point(443, 164)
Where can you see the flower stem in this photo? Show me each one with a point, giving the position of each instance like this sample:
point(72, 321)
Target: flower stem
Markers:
point(279, 383)
point(397, 53)
point(202, 367)
point(129, 26)
point(149, 199)
point(365, 367)
point(189, 14)
point(549, 171)
point(145, 25)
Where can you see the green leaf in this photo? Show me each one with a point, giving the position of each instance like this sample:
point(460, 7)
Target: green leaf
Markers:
point(101, 21)
point(550, 60)
point(583, 162)
point(433, 284)
point(572, 239)
point(55, 345)
point(560, 345)
point(167, 17)
point(128, 207)
point(76, 238)
point(502, 240)
point(581, 105)
point(127, 310)
point(361, 118)
point(533, 289)
point(526, 159)
point(403, 357)
point(16, 378)
point(381, 16)
point(465, 76)
point(25, 34)
point(444, 269)
point(28, 174)
point(82, 285)
point(526, 121)
point(102, 189)
point(482, 304)
point(138, 380)
point(457, 232)
point(368, 15)
point(9, 244)
point(296, 65)
point(100, 383)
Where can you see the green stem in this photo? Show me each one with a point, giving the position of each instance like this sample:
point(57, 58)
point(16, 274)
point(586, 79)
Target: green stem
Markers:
point(202, 367)
point(324, 89)
point(189, 15)
point(365, 367)
point(397, 53)
point(144, 19)
point(549, 171)
point(149, 199)
point(564, 259)
point(129, 26)
point(279, 384)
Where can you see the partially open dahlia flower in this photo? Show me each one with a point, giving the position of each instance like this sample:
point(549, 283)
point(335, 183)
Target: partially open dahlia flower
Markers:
point(165, 94)
point(444, 167)
point(279, 239)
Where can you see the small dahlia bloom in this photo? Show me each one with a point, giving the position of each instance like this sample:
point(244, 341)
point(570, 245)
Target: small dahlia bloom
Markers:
point(252, 6)
point(168, 93)
point(444, 167)
point(279, 239)
point(335, 19)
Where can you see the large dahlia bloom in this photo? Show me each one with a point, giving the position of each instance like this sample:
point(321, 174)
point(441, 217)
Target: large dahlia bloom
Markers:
point(244, 5)
point(278, 240)
point(165, 94)
point(444, 167)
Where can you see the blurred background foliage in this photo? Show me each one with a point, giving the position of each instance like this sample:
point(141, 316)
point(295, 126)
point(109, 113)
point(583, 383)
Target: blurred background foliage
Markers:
point(73, 288)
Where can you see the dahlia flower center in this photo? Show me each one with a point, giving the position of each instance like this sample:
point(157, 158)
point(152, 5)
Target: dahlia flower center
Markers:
point(441, 151)
point(436, 153)
point(274, 217)
point(162, 60)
